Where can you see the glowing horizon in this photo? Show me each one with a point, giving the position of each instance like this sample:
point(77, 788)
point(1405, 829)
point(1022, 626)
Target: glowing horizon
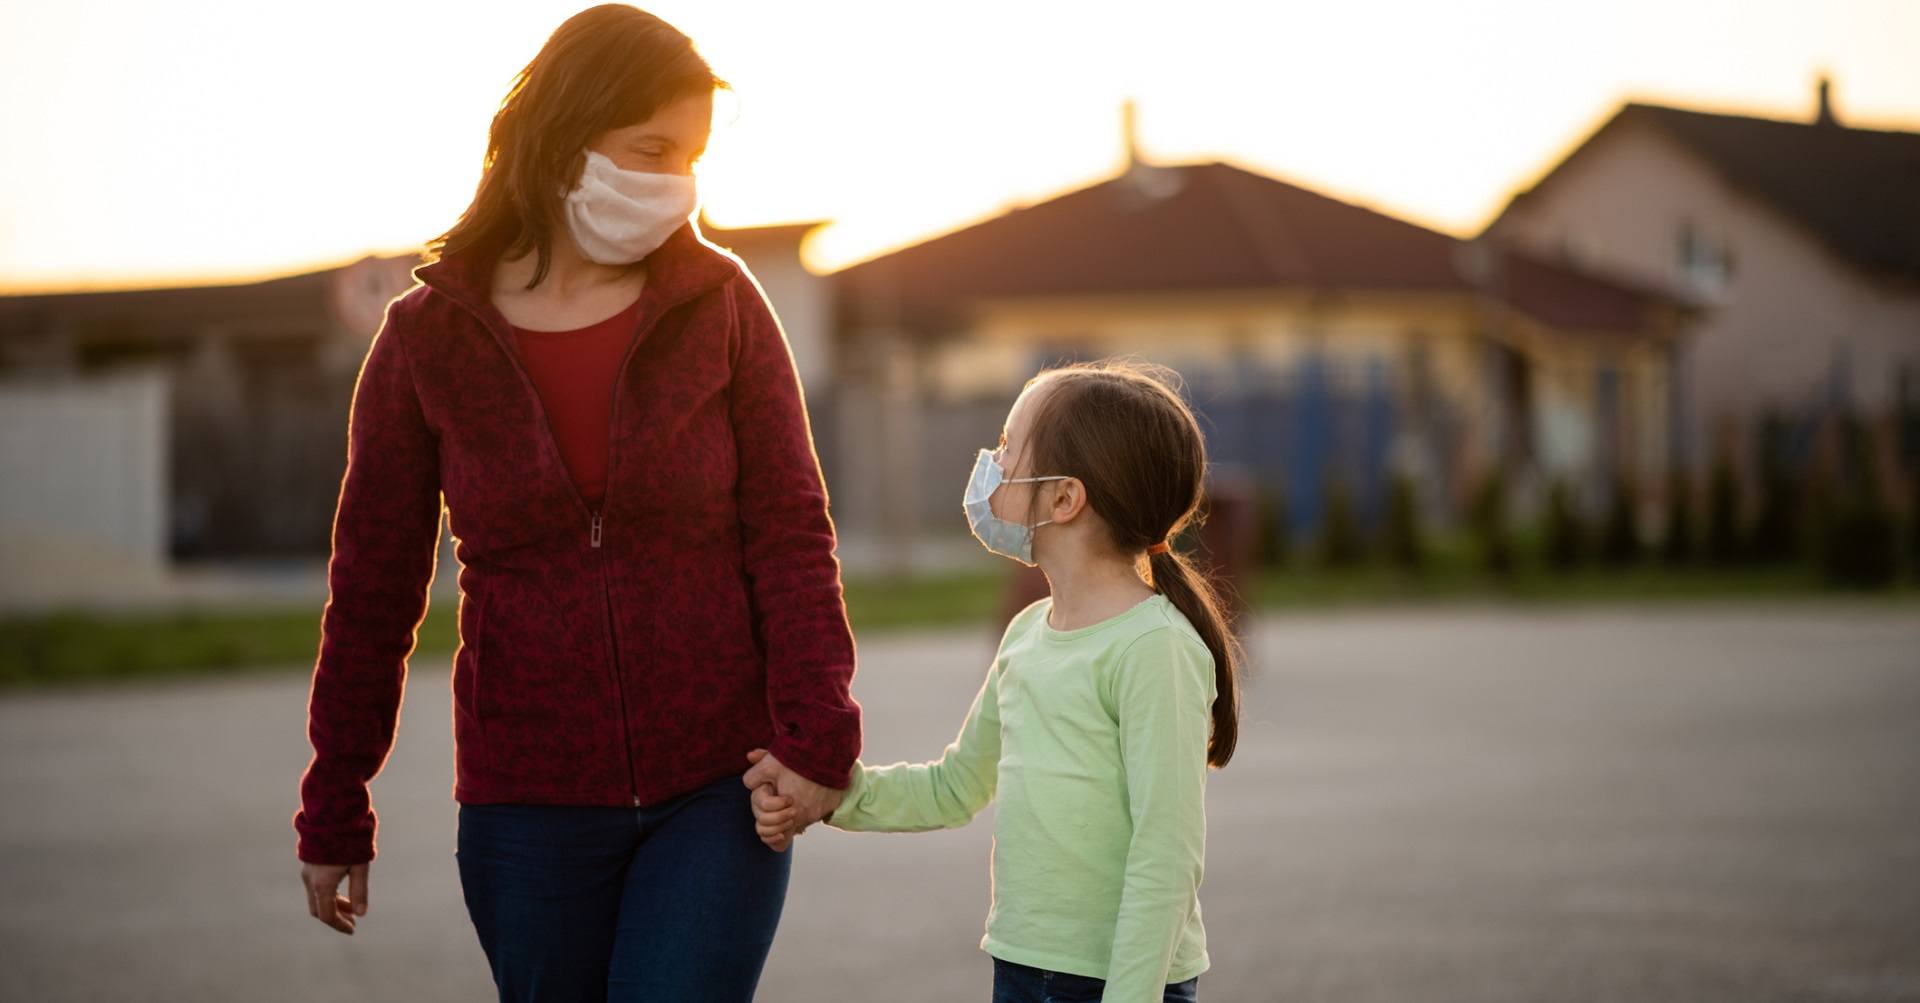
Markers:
point(216, 151)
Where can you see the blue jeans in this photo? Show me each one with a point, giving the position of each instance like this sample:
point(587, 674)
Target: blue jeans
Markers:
point(1014, 983)
point(673, 901)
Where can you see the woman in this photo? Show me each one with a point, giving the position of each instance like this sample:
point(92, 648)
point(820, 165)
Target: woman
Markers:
point(648, 586)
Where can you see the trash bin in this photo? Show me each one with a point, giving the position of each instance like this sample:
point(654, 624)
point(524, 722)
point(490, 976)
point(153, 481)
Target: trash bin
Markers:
point(1230, 540)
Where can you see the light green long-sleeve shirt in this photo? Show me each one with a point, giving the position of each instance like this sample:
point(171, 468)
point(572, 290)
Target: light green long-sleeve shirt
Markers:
point(1096, 741)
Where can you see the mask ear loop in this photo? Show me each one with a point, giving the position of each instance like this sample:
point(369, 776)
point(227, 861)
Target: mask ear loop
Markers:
point(1029, 480)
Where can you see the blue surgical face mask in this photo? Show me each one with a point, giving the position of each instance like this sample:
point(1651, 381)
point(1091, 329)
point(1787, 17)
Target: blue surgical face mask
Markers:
point(1008, 539)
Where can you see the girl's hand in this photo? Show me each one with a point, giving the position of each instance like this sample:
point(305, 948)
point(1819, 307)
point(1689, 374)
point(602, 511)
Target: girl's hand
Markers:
point(774, 818)
point(812, 801)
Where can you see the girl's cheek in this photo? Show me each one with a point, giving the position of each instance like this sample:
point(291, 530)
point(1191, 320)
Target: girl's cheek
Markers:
point(999, 503)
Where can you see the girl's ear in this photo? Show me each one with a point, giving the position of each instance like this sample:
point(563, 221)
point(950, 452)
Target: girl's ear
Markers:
point(1069, 500)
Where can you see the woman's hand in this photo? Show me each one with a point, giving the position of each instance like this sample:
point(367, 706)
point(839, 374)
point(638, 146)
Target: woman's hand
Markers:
point(808, 802)
point(324, 901)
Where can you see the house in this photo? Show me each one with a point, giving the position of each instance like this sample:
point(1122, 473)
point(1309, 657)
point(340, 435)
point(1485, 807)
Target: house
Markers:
point(1803, 238)
point(1322, 342)
point(254, 381)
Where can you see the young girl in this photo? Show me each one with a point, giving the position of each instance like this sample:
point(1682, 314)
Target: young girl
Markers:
point(1103, 708)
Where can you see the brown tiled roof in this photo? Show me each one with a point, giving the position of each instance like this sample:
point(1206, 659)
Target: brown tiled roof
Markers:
point(1211, 227)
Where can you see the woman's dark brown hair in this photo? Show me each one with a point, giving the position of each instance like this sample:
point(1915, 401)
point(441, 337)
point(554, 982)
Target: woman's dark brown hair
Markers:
point(1122, 430)
point(607, 67)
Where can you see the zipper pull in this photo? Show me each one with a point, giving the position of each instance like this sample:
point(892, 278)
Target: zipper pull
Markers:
point(596, 529)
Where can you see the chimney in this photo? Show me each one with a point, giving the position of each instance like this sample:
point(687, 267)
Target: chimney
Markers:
point(1130, 133)
point(1147, 183)
point(1825, 114)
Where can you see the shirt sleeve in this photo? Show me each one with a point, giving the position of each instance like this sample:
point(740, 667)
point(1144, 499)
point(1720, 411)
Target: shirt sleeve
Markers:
point(386, 533)
point(944, 794)
point(1163, 691)
point(789, 553)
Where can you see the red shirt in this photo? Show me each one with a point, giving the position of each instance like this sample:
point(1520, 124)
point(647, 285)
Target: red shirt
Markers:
point(574, 371)
point(617, 655)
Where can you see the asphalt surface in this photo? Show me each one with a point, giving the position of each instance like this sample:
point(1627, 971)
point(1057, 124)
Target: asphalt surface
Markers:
point(1690, 804)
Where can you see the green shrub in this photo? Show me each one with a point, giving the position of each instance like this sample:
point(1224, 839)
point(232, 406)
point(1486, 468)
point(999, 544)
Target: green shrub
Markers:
point(1859, 535)
point(1913, 528)
point(1777, 531)
point(1566, 532)
point(1723, 514)
point(1620, 539)
point(1492, 535)
point(1676, 548)
point(1340, 542)
point(1275, 542)
point(1406, 545)
point(1862, 547)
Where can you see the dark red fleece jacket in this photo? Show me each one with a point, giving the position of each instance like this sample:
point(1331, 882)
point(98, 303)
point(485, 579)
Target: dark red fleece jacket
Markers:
point(617, 654)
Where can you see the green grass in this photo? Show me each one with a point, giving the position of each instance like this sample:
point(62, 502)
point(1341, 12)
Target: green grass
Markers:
point(73, 648)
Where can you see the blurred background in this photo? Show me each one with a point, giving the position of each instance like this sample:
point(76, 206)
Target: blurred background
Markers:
point(1560, 366)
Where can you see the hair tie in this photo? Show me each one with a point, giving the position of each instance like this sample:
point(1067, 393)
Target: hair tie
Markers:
point(1159, 548)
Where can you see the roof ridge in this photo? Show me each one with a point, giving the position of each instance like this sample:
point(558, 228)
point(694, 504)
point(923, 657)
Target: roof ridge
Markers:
point(1752, 119)
point(1263, 243)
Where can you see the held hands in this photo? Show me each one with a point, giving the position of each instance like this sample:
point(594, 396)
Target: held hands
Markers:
point(324, 901)
point(784, 802)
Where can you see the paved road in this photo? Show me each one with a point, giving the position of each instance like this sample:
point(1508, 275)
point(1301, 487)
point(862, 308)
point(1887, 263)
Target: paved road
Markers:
point(1474, 805)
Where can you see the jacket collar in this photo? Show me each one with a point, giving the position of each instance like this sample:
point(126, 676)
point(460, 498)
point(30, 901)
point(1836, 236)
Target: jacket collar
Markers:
point(680, 269)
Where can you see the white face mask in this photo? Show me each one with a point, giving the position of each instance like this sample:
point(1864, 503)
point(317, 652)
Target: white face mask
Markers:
point(618, 216)
point(1008, 539)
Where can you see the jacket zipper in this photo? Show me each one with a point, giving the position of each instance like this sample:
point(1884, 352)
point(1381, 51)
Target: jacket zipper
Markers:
point(613, 646)
point(595, 519)
point(606, 573)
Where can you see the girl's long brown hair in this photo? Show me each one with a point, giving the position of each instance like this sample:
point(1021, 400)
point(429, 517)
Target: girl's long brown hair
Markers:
point(1121, 429)
point(604, 68)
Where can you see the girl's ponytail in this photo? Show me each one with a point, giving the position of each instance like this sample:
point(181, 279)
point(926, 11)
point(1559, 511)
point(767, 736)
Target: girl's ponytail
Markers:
point(1197, 599)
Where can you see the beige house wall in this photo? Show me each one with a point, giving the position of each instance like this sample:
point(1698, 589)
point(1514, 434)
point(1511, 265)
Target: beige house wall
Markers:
point(1210, 331)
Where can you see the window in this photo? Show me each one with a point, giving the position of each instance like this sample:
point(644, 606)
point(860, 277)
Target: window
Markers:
point(1703, 261)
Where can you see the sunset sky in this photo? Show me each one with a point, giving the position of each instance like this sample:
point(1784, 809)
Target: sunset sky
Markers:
point(195, 141)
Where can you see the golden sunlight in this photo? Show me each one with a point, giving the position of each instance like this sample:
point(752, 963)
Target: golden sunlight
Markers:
point(202, 141)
